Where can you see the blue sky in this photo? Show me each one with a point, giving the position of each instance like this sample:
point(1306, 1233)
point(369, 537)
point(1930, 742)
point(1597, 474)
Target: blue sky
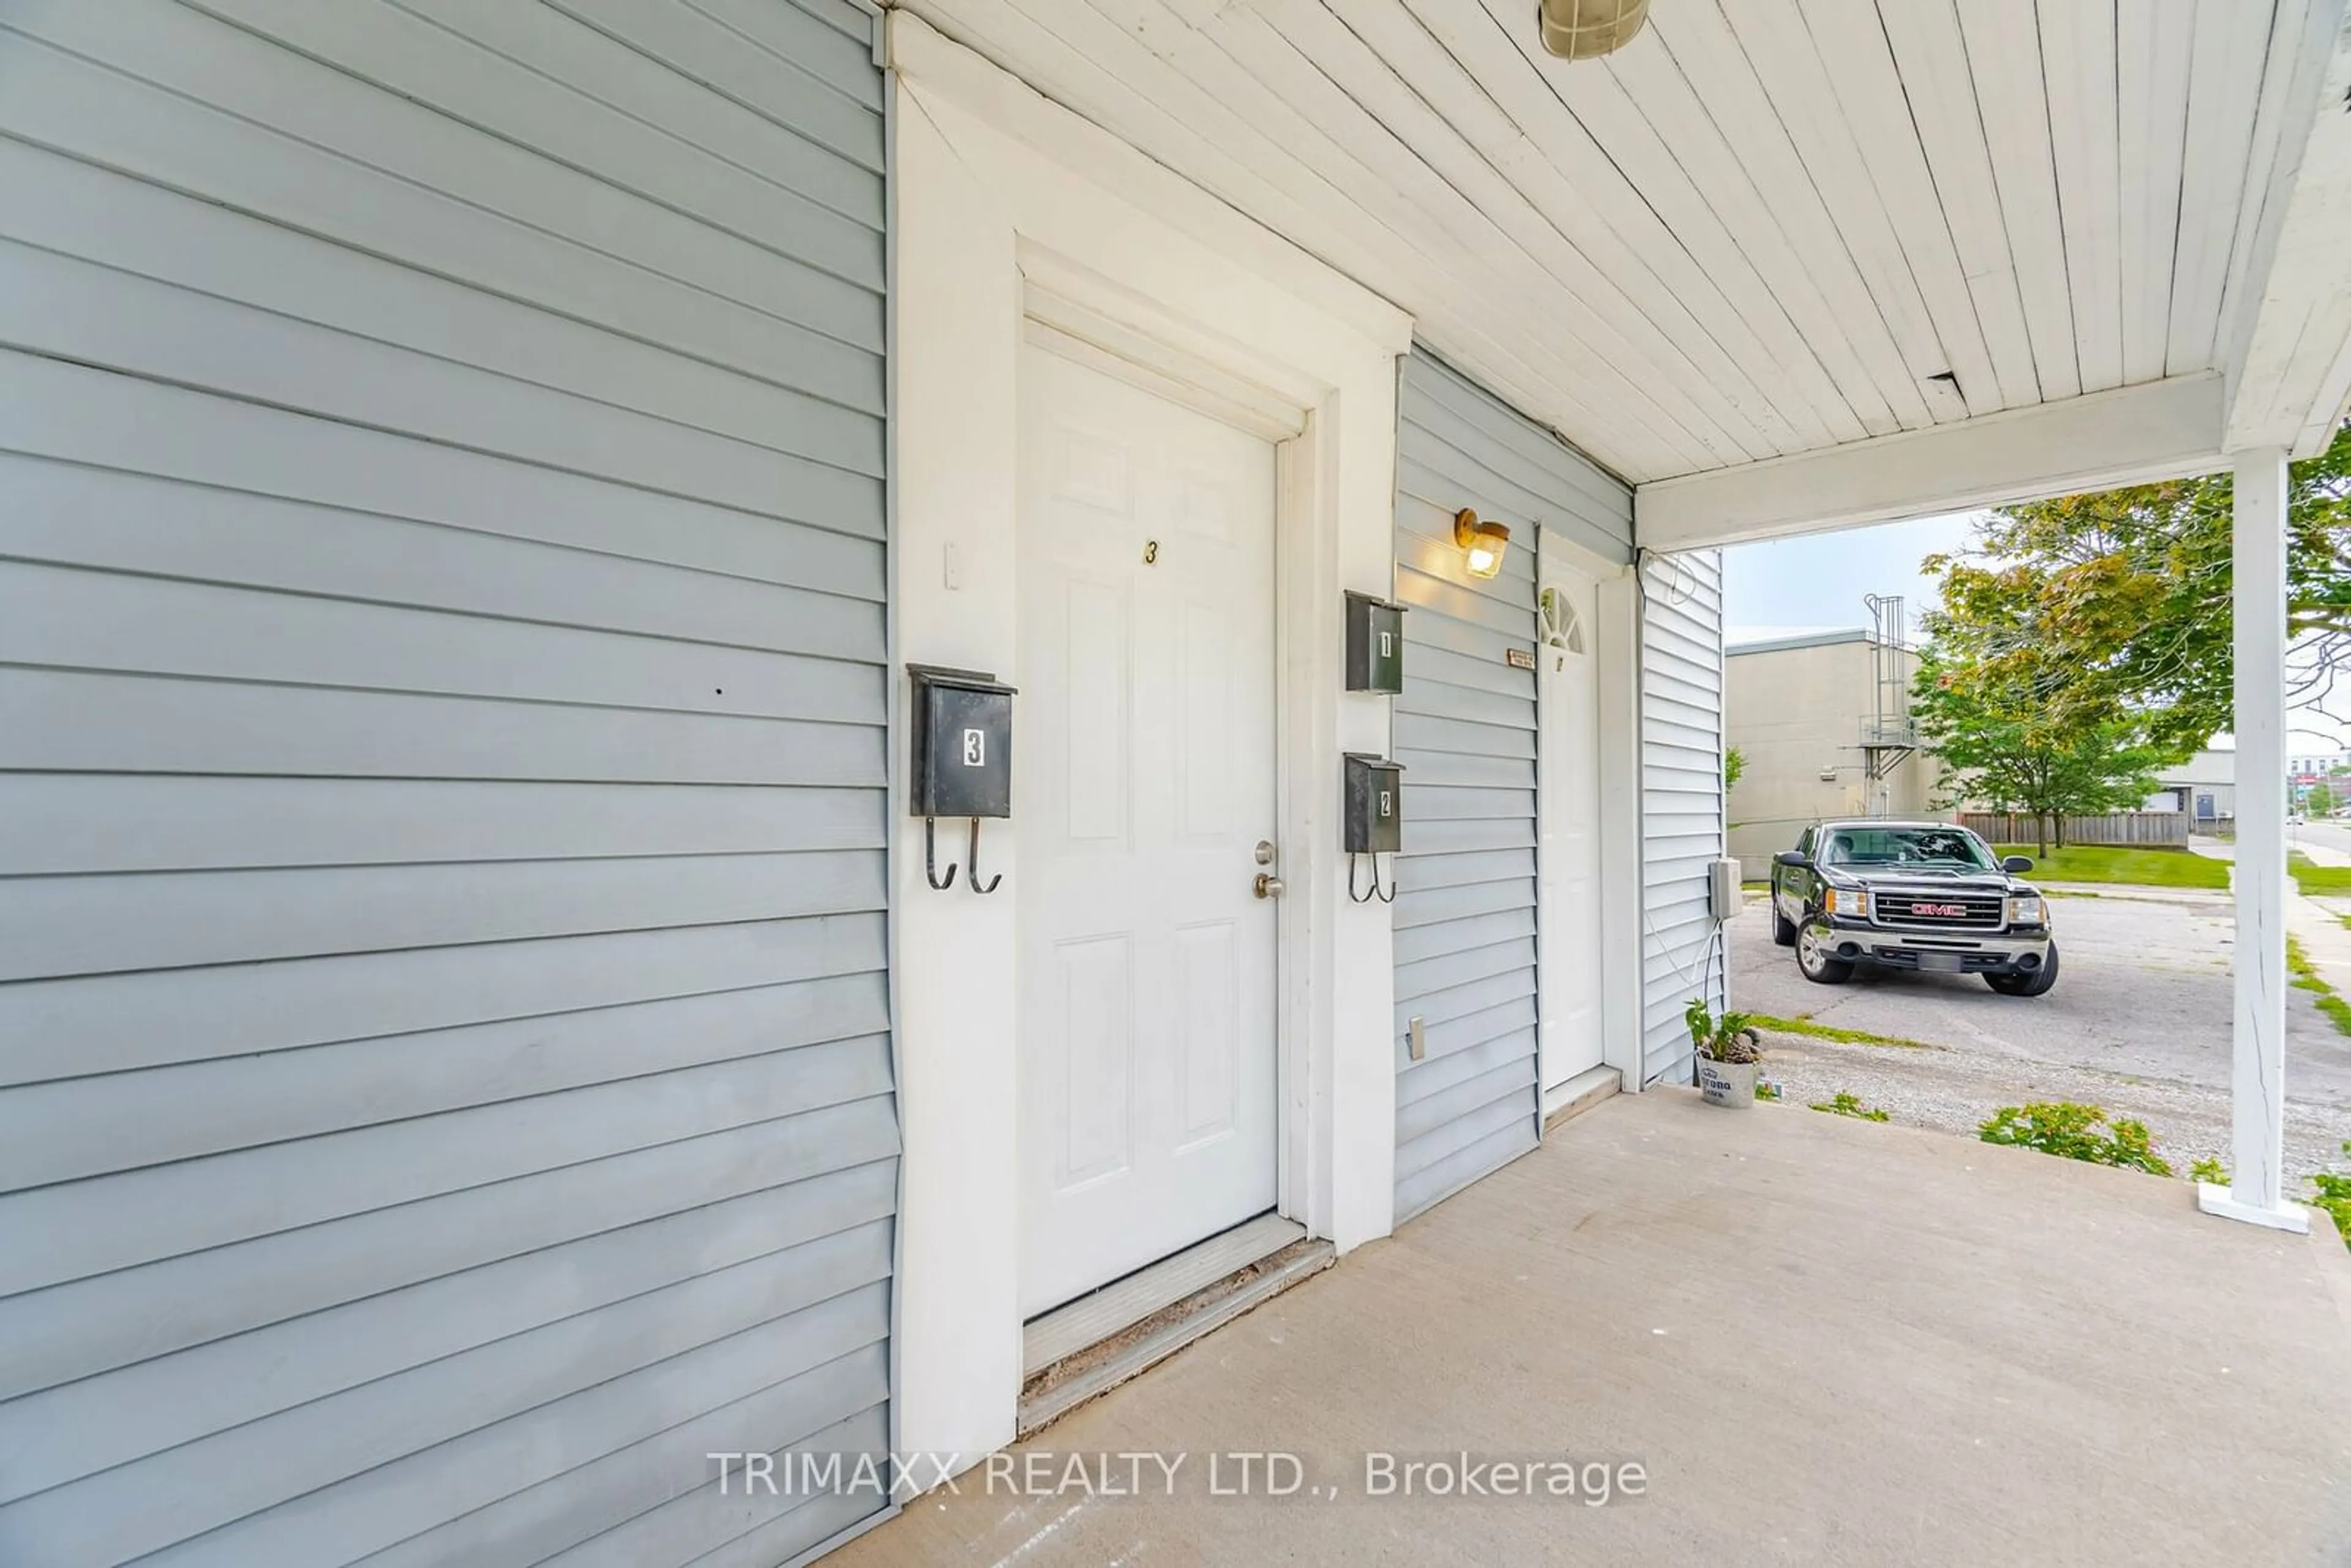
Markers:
point(1783, 587)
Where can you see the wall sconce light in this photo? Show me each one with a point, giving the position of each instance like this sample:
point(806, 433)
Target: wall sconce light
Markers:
point(1586, 29)
point(1482, 543)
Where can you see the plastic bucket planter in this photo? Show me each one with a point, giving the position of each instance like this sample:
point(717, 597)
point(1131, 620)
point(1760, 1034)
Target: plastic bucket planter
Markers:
point(1731, 1083)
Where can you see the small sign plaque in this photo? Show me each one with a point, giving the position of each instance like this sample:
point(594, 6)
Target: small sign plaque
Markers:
point(1520, 658)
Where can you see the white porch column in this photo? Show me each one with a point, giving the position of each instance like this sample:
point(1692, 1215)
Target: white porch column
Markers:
point(2255, 1190)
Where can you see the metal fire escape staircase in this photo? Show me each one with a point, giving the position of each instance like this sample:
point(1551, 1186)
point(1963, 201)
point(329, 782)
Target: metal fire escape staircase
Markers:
point(1889, 735)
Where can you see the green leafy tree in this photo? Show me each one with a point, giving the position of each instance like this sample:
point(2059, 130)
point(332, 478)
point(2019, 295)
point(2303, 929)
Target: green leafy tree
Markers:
point(2127, 593)
point(2001, 742)
point(1734, 763)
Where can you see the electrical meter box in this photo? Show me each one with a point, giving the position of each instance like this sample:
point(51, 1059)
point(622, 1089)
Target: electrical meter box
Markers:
point(1723, 898)
point(1372, 812)
point(962, 727)
point(1374, 644)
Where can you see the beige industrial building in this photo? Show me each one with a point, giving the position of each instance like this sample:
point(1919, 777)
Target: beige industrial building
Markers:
point(1822, 721)
point(2205, 785)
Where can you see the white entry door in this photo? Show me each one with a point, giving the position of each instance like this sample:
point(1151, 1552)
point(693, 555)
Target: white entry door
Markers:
point(1145, 783)
point(1567, 817)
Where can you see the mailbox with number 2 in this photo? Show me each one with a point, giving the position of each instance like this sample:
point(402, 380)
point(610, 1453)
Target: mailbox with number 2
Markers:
point(1371, 820)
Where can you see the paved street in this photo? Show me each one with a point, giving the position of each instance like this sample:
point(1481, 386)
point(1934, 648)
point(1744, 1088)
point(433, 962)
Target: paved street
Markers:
point(2327, 843)
point(2139, 1021)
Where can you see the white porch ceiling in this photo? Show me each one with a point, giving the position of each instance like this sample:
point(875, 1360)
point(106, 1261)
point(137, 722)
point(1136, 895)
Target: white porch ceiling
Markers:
point(1766, 227)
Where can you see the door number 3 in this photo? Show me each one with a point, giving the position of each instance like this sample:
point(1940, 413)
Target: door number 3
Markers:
point(975, 748)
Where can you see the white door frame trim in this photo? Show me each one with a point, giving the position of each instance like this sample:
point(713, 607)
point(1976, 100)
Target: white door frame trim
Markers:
point(1617, 639)
point(998, 190)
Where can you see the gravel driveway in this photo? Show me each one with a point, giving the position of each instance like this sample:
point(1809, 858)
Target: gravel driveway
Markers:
point(2138, 1022)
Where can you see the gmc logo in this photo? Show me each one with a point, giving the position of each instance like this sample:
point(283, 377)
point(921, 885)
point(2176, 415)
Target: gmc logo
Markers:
point(1952, 911)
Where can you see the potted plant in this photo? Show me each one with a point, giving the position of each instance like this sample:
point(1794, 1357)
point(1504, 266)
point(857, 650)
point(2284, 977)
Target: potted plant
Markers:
point(1728, 1053)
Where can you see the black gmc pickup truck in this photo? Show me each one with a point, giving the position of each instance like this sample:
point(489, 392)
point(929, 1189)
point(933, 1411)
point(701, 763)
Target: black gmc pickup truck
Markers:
point(1929, 896)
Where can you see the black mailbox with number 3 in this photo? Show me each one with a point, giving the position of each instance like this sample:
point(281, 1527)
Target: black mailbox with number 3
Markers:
point(963, 744)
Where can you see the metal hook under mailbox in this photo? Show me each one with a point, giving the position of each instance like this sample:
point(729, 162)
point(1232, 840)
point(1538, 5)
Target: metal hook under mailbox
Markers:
point(973, 874)
point(930, 858)
point(1388, 897)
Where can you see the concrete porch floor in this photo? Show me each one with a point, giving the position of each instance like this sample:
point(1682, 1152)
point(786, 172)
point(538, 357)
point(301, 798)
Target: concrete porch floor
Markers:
point(1823, 1341)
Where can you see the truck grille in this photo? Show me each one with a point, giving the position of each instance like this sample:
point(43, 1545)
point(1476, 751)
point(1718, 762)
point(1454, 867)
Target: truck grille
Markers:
point(1937, 911)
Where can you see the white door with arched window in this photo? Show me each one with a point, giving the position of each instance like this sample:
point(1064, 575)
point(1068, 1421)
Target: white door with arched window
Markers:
point(1567, 814)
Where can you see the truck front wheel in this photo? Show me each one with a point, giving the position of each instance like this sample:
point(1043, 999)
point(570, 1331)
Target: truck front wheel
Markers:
point(1817, 961)
point(2033, 985)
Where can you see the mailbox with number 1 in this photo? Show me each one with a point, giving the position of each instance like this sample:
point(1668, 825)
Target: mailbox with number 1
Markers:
point(1374, 644)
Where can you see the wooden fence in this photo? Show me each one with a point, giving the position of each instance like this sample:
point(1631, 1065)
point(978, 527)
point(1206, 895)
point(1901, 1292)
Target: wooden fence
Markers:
point(2167, 829)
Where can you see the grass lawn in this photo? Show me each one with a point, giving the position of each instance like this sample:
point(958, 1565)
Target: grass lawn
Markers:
point(1804, 1025)
point(2319, 879)
point(2307, 977)
point(2146, 868)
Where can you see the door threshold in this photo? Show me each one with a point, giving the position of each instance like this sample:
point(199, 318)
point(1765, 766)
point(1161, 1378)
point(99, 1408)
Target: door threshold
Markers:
point(1564, 1102)
point(1063, 1386)
point(1121, 1304)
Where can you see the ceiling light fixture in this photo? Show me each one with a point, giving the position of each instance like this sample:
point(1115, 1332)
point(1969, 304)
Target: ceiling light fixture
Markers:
point(1586, 29)
point(1482, 543)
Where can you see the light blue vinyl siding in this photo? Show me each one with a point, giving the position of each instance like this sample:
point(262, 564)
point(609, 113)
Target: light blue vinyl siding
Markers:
point(1681, 800)
point(1465, 731)
point(445, 1083)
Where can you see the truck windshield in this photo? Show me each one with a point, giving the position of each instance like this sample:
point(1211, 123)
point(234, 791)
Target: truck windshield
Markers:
point(1949, 849)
